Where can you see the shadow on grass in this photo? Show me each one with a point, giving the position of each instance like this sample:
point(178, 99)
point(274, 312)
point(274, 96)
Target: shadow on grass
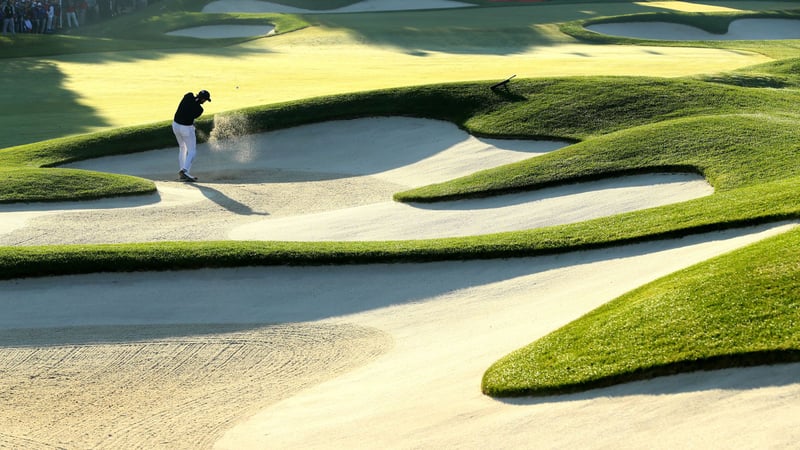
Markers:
point(38, 105)
point(34, 96)
point(486, 31)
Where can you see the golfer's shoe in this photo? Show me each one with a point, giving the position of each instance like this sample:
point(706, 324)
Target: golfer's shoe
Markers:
point(185, 176)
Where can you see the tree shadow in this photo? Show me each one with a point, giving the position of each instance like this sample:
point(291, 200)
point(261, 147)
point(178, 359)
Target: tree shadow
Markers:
point(35, 92)
point(506, 30)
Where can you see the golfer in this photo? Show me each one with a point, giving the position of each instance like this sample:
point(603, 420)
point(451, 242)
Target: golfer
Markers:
point(183, 126)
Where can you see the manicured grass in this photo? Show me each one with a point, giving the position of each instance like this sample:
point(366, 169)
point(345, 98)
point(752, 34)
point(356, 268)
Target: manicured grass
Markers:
point(85, 86)
point(50, 185)
point(738, 309)
point(636, 126)
point(713, 23)
point(738, 128)
point(508, 30)
point(28, 178)
point(730, 150)
point(141, 30)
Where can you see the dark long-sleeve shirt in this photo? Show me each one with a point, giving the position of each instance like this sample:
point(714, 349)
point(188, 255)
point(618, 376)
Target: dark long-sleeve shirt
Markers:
point(188, 110)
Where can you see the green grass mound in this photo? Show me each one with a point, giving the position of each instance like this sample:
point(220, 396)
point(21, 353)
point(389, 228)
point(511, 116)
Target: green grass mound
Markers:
point(734, 136)
point(738, 309)
point(51, 185)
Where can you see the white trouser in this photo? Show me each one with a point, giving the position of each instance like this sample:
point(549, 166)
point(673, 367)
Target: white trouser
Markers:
point(187, 144)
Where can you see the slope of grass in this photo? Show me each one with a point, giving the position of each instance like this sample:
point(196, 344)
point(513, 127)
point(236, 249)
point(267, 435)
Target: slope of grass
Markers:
point(675, 131)
point(731, 151)
point(784, 73)
point(610, 114)
point(742, 207)
point(50, 185)
point(738, 309)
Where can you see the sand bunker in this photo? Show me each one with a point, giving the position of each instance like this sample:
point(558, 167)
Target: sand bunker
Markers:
point(224, 31)
point(330, 181)
point(380, 353)
point(110, 375)
point(742, 29)
point(386, 355)
point(553, 206)
point(255, 6)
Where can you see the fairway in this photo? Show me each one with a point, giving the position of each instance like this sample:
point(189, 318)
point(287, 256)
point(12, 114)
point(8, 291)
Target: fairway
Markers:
point(296, 66)
point(343, 53)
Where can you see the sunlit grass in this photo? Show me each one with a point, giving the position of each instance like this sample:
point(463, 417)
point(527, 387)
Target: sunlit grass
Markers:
point(92, 91)
point(738, 309)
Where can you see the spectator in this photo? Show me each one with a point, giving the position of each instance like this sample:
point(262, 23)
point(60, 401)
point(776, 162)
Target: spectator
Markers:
point(71, 14)
point(94, 10)
point(39, 18)
point(8, 17)
point(51, 13)
point(83, 6)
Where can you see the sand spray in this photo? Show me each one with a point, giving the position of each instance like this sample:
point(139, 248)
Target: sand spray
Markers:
point(233, 133)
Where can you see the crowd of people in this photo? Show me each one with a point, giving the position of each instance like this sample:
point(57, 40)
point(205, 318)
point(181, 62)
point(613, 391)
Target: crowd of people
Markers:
point(49, 16)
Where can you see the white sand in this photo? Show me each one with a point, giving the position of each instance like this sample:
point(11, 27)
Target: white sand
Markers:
point(357, 356)
point(224, 31)
point(255, 6)
point(742, 29)
point(331, 181)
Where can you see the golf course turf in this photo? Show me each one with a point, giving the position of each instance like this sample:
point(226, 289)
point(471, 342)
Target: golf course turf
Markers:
point(739, 129)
